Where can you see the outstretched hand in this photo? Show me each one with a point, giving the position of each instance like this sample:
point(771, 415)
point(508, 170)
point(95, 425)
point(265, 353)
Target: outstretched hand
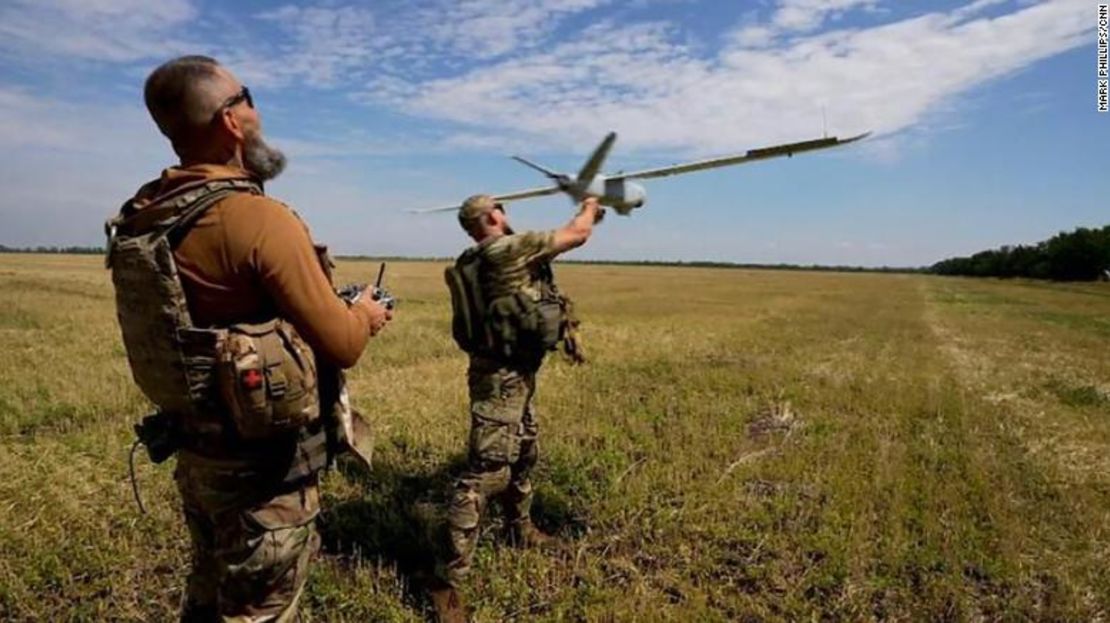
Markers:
point(590, 205)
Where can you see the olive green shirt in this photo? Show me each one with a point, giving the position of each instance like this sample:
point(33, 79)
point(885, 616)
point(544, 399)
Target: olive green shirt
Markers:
point(513, 263)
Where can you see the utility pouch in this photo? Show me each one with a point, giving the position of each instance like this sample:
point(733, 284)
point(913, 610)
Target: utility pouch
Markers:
point(160, 436)
point(550, 321)
point(525, 329)
point(267, 379)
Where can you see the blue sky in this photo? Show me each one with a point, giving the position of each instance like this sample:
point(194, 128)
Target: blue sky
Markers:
point(983, 112)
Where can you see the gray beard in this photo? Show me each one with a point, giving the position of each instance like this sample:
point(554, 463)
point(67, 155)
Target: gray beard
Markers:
point(262, 160)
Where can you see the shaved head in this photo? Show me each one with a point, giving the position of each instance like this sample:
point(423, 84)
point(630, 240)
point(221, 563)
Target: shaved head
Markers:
point(209, 116)
point(183, 94)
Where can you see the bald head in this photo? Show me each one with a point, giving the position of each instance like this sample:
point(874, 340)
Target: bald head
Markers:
point(182, 96)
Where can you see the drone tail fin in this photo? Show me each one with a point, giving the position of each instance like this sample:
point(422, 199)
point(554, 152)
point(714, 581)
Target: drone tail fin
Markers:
point(528, 163)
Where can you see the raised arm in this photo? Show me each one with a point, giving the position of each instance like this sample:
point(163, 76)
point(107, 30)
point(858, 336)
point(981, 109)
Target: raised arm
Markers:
point(575, 233)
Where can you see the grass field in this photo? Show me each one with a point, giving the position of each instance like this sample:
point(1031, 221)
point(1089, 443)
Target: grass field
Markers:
point(745, 445)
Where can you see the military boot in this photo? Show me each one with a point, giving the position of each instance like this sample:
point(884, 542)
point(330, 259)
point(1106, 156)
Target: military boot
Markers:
point(525, 535)
point(447, 602)
point(192, 613)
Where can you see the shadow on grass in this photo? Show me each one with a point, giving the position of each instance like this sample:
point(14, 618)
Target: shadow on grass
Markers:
point(400, 517)
point(397, 519)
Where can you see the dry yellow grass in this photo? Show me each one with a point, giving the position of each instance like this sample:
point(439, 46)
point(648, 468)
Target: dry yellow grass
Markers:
point(745, 445)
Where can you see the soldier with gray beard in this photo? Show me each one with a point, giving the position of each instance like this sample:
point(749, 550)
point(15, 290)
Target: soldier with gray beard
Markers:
point(234, 330)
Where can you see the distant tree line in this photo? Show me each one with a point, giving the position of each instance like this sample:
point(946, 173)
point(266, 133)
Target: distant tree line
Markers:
point(838, 268)
point(675, 263)
point(54, 249)
point(1081, 255)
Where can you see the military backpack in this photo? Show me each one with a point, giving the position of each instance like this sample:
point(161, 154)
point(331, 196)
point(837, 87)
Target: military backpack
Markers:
point(516, 328)
point(213, 386)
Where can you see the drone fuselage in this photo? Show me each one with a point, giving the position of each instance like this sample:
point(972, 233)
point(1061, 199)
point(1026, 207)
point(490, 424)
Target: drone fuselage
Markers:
point(621, 195)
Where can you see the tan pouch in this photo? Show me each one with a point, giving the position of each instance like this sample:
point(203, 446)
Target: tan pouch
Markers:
point(267, 378)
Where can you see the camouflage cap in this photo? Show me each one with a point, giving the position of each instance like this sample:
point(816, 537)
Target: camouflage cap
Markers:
point(473, 208)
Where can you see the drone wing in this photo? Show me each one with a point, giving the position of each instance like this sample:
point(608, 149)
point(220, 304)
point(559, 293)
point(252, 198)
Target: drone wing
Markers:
point(593, 165)
point(527, 194)
point(523, 194)
point(752, 155)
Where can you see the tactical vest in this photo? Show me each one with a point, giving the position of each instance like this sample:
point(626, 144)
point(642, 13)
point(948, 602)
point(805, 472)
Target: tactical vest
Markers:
point(516, 328)
point(233, 387)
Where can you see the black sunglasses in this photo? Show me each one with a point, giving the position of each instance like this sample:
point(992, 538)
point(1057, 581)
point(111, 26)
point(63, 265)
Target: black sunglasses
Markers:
point(499, 207)
point(244, 95)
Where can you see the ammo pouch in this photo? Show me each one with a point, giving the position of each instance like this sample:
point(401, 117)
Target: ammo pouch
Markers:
point(550, 319)
point(267, 378)
point(525, 329)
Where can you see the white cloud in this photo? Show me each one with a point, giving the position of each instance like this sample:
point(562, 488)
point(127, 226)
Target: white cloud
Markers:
point(100, 30)
point(797, 16)
point(62, 179)
point(976, 7)
point(495, 67)
point(34, 122)
point(67, 166)
point(333, 46)
point(804, 15)
point(754, 36)
point(639, 80)
point(325, 46)
point(489, 28)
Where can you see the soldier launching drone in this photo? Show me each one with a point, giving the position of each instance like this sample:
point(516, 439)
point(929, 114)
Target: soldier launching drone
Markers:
point(508, 314)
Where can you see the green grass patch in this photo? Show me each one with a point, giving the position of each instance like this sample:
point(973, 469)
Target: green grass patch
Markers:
point(776, 446)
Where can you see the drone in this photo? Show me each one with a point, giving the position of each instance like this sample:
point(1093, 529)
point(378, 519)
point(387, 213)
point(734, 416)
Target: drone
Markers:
point(623, 195)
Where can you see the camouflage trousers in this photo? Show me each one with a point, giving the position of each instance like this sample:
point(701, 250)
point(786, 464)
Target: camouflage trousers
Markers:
point(249, 564)
point(502, 453)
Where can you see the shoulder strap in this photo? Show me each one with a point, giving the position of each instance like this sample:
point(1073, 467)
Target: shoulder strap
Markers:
point(189, 207)
point(466, 256)
point(175, 213)
point(177, 229)
point(181, 205)
point(543, 270)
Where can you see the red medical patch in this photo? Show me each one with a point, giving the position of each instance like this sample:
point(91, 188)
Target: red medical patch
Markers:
point(251, 379)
